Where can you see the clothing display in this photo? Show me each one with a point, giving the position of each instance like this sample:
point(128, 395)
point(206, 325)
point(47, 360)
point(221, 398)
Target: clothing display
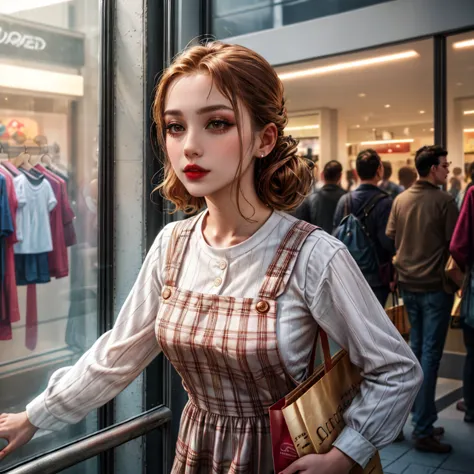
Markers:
point(225, 357)
point(35, 216)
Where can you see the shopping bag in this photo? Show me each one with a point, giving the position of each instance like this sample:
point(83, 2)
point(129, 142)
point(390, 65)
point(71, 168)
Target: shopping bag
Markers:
point(399, 317)
point(313, 412)
point(454, 273)
point(455, 322)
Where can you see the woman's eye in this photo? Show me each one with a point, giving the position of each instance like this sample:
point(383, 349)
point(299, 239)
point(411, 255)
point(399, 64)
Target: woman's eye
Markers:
point(174, 128)
point(218, 125)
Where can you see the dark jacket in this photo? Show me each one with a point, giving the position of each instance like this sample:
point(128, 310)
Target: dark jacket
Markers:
point(319, 207)
point(376, 222)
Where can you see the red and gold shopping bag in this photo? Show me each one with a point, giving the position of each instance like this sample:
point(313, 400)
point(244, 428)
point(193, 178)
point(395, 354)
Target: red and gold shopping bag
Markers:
point(311, 416)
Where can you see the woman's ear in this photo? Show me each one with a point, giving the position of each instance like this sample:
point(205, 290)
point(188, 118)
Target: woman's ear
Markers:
point(268, 138)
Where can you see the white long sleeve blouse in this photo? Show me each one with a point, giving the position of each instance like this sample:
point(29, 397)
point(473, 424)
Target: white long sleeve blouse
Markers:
point(326, 289)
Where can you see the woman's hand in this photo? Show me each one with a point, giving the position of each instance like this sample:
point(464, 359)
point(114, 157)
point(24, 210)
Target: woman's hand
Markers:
point(16, 429)
point(333, 462)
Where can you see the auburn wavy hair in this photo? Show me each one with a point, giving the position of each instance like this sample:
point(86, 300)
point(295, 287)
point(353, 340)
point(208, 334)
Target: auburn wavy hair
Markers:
point(282, 178)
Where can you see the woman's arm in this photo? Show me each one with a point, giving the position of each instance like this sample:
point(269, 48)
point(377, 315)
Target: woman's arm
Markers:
point(114, 360)
point(346, 308)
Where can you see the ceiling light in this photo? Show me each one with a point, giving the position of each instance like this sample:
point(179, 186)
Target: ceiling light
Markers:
point(21, 5)
point(357, 126)
point(431, 129)
point(469, 130)
point(349, 65)
point(383, 142)
point(305, 127)
point(464, 44)
point(469, 112)
point(459, 84)
point(362, 94)
point(387, 106)
point(422, 112)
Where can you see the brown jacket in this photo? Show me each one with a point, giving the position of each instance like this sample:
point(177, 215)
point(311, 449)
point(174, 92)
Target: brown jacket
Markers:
point(422, 222)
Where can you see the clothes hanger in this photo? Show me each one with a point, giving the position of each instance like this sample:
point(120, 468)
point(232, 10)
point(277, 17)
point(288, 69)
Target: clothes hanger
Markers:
point(22, 160)
point(46, 158)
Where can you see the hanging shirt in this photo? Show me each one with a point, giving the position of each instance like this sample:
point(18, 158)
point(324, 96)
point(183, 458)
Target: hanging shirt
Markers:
point(10, 293)
point(58, 258)
point(33, 223)
point(6, 223)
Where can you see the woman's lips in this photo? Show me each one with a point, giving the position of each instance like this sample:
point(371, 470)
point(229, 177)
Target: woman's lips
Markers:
point(194, 172)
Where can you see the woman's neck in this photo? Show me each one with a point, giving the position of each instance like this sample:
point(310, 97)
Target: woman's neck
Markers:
point(225, 225)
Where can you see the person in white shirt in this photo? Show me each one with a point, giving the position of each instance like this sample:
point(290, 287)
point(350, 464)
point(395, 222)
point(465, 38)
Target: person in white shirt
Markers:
point(234, 295)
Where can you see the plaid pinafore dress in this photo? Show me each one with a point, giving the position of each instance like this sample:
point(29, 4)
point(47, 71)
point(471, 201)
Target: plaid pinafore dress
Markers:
point(225, 349)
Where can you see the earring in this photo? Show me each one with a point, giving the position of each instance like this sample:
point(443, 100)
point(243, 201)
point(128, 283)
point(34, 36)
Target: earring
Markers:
point(262, 154)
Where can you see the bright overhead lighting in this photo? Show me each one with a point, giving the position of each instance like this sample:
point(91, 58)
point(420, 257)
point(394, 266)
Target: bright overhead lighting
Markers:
point(387, 106)
point(362, 94)
point(431, 129)
point(349, 65)
point(8, 7)
point(469, 130)
point(383, 142)
point(422, 112)
point(469, 112)
point(305, 127)
point(357, 126)
point(464, 44)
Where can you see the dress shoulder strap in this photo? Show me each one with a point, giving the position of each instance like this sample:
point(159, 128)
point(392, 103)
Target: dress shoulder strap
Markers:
point(279, 271)
point(177, 247)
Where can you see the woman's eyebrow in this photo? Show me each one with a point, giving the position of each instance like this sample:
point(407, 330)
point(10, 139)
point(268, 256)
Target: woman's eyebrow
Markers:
point(203, 110)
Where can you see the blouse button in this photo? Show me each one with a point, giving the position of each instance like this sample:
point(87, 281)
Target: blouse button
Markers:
point(262, 306)
point(166, 293)
point(222, 264)
point(218, 281)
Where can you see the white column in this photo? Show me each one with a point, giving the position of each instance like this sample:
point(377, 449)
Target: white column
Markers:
point(455, 143)
point(277, 14)
point(328, 136)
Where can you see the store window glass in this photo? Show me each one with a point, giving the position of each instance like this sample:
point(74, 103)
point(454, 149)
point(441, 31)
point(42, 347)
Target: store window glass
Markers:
point(460, 124)
point(49, 99)
point(460, 108)
point(231, 18)
point(382, 99)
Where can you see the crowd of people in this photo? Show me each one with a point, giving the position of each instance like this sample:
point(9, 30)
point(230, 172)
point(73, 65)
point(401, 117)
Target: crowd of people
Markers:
point(406, 233)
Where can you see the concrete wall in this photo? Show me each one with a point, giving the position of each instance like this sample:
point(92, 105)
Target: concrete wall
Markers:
point(359, 29)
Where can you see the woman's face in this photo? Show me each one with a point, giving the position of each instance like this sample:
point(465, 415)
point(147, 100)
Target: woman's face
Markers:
point(202, 139)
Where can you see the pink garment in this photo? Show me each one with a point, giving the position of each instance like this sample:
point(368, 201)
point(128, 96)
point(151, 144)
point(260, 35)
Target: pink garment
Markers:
point(462, 242)
point(58, 261)
point(9, 306)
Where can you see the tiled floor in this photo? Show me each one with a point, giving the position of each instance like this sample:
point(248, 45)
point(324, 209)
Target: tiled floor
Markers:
point(401, 458)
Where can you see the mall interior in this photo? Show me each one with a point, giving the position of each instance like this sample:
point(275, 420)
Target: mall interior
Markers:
point(77, 80)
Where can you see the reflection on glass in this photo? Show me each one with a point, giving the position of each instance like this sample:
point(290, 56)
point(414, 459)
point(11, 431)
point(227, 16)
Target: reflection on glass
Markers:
point(48, 184)
point(247, 16)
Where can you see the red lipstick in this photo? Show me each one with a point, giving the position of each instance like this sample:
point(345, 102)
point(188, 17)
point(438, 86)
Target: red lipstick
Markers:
point(194, 172)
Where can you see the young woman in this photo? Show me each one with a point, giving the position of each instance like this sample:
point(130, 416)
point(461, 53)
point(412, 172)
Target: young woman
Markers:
point(233, 296)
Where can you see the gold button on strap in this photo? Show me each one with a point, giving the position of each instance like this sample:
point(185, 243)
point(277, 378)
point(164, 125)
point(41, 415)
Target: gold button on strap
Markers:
point(166, 293)
point(262, 306)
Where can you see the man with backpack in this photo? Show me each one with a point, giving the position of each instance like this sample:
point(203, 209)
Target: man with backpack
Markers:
point(360, 222)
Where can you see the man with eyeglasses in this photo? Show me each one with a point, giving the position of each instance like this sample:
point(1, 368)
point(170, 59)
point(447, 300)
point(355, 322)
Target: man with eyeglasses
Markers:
point(422, 222)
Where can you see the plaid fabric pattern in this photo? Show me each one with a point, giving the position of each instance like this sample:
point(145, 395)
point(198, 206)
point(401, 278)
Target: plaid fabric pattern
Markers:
point(225, 349)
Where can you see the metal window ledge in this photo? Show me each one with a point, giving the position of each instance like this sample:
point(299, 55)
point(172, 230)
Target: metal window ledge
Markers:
point(93, 445)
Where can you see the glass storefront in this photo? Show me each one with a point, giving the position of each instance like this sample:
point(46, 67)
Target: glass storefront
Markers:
point(239, 18)
point(382, 99)
point(49, 172)
point(50, 95)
